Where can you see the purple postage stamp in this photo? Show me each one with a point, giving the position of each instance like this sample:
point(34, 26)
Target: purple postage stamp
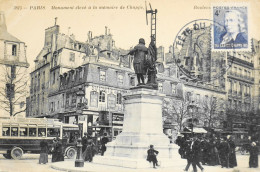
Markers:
point(230, 29)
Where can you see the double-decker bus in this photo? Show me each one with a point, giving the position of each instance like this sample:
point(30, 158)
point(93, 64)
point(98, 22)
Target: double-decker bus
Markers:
point(23, 135)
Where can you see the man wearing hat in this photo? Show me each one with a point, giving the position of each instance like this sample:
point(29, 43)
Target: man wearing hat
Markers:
point(253, 158)
point(232, 153)
point(139, 52)
point(151, 156)
point(84, 141)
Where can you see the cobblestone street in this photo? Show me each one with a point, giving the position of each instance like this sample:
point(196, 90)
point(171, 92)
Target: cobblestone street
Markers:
point(29, 163)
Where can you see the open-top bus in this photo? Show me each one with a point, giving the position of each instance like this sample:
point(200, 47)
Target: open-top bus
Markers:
point(23, 135)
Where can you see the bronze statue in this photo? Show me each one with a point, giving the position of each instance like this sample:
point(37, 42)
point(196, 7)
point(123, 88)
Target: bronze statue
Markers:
point(144, 62)
point(150, 64)
point(139, 52)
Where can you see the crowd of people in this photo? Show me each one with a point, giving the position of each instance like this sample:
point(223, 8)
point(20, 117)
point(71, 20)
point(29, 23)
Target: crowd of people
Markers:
point(89, 149)
point(209, 151)
point(212, 151)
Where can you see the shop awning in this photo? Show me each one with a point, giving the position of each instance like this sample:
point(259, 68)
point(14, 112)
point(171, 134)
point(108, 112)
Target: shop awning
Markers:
point(196, 130)
point(101, 126)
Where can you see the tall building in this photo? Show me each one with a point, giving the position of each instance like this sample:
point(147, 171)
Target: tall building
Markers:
point(240, 84)
point(13, 67)
point(59, 54)
point(256, 72)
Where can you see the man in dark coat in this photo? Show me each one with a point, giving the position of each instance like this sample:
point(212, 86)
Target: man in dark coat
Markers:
point(84, 142)
point(232, 152)
point(187, 153)
point(139, 52)
point(213, 152)
point(54, 151)
point(195, 151)
point(204, 151)
point(89, 152)
point(104, 141)
point(44, 152)
point(151, 156)
point(180, 141)
point(223, 149)
point(59, 150)
point(253, 159)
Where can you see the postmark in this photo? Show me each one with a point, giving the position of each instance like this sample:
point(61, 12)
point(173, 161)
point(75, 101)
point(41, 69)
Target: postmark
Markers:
point(231, 27)
point(194, 56)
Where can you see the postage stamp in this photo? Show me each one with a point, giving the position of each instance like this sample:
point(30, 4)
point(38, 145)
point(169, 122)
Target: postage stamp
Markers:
point(231, 27)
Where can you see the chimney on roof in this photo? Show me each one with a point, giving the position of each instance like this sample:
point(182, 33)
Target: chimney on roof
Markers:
point(105, 30)
point(89, 35)
point(69, 31)
point(3, 27)
point(108, 31)
point(56, 18)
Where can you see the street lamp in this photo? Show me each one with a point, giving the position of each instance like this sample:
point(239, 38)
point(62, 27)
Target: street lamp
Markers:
point(191, 110)
point(79, 162)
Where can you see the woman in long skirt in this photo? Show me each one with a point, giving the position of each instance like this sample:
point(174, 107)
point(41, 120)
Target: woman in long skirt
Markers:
point(44, 152)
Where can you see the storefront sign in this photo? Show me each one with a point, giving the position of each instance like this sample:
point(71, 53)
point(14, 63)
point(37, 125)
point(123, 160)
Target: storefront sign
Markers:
point(111, 101)
point(93, 99)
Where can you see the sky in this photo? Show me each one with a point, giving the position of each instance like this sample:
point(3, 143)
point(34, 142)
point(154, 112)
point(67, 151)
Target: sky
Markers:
point(126, 25)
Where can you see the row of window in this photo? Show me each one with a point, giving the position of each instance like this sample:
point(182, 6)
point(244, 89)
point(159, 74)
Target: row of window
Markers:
point(120, 78)
point(239, 71)
point(102, 97)
point(36, 81)
point(72, 99)
point(238, 104)
point(173, 88)
point(238, 86)
point(197, 98)
point(240, 55)
point(30, 131)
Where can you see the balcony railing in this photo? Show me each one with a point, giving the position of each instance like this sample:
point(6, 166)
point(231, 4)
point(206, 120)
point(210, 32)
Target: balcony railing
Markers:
point(240, 76)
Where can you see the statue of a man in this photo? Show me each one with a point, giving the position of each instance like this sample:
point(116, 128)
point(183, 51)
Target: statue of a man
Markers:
point(139, 52)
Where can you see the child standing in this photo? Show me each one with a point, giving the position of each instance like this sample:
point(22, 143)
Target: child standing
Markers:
point(151, 156)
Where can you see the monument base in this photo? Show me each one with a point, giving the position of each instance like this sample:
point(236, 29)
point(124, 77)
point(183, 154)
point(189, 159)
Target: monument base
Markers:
point(132, 163)
point(142, 128)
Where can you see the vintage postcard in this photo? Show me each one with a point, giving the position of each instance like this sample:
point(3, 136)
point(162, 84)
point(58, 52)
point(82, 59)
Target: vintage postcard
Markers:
point(129, 85)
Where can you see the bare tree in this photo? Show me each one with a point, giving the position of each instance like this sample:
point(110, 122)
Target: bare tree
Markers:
point(178, 110)
point(211, 112)
point(13, 89)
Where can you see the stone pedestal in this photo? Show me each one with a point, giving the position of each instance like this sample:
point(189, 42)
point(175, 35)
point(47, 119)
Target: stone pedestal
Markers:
point(142, 127)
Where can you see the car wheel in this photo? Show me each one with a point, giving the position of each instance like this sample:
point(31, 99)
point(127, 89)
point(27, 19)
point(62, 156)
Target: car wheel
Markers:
point(71, 153)
point(16, 153)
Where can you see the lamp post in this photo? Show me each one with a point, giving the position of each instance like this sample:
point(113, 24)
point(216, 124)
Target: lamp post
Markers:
point(79, 162)
point(191, 109)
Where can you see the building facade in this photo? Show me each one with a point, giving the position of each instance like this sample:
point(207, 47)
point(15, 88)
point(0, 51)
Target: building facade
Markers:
point(84, 82)
point(240, 86)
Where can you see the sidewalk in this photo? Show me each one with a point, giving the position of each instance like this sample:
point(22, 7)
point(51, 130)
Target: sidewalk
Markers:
point(68, 165)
